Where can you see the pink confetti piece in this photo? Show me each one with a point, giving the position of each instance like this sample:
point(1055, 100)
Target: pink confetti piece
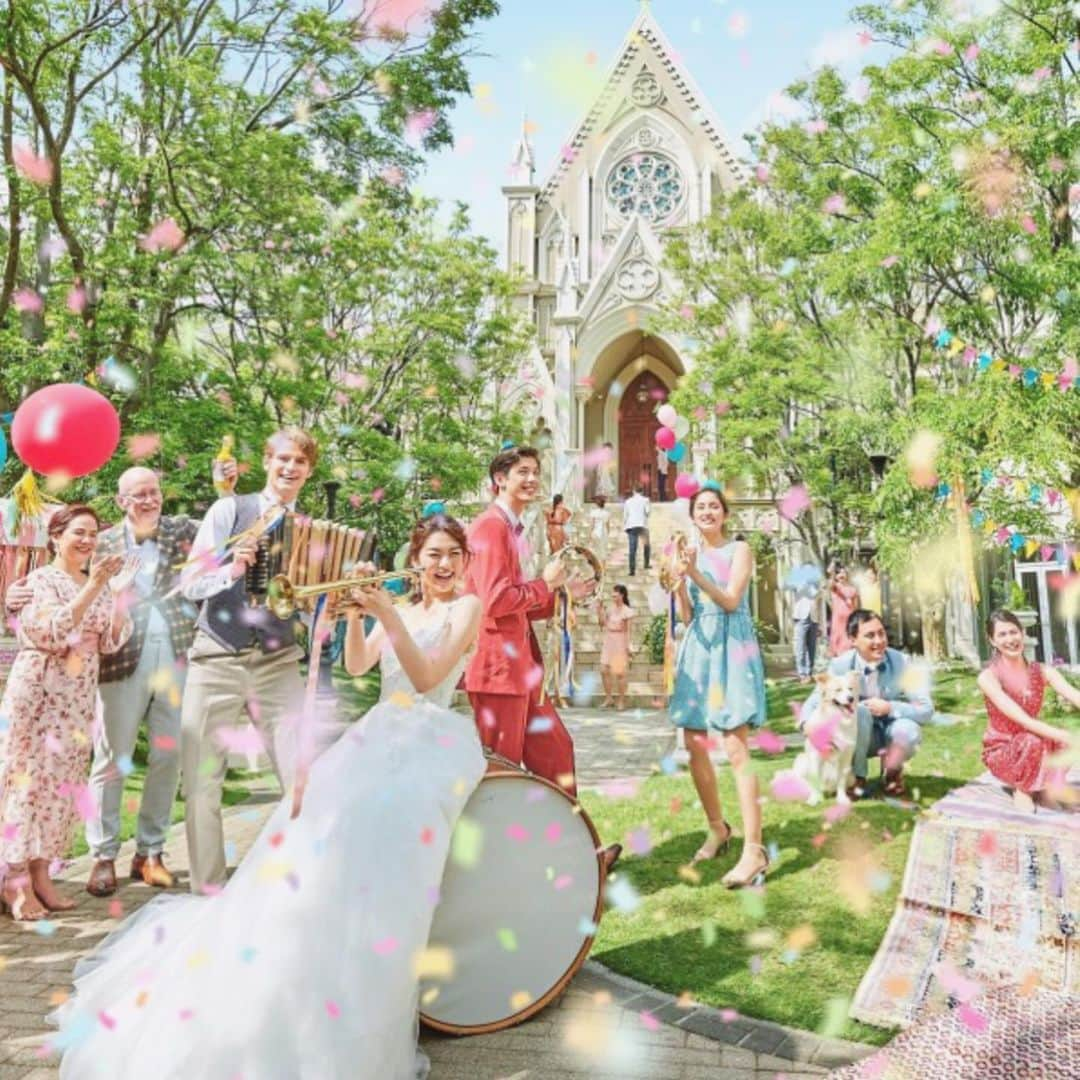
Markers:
point(834, 204)
point(27, 301)
point(333, 1010)
point(166, 235)
point(1027, 223)
point(786, 786)
point(143, 446)
point(76, 300)
point(972, 1019)
point(648, 1021)
point(385, 947)
point(37, 169)
point(116, 909)
point(768, 742)
point(837, 812)
point(793, 503)
point(106, 1020)
point(728, 1015)
point(972, 52)
point(517, 833)
point(165, 742)
point(396, 16)
point(816, 127)
point(639, 842)
point(563, 881)
point(889, 260)
point(418, 124)
point(186, 1014)
point(553, 833)
point(820, 735)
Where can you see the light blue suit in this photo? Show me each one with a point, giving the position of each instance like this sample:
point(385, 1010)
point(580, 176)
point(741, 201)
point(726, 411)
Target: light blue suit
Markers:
point(910, 708)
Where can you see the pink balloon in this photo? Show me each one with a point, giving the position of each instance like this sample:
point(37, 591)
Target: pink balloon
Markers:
point(667, 415)
point(65, 428)
point(686, 486)
point(665, 438)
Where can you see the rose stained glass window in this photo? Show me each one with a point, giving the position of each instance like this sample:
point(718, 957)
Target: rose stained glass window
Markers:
point(650, 185)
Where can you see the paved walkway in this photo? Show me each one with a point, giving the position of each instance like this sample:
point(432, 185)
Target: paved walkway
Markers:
point(604, 1027)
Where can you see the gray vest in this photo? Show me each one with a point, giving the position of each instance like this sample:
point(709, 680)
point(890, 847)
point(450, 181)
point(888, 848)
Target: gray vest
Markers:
point(230, 618)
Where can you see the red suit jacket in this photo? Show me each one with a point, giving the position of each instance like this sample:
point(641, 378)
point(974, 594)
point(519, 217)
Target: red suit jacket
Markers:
point(508, 658)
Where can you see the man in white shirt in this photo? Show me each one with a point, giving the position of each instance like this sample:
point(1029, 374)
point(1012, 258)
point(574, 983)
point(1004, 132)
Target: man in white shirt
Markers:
point(244, 662)
point(636, 525)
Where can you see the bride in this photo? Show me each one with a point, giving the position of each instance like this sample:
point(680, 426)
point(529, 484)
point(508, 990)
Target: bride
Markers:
point(303, 967)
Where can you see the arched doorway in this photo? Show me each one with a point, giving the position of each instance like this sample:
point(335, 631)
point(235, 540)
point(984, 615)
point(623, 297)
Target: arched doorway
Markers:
point(637, 434)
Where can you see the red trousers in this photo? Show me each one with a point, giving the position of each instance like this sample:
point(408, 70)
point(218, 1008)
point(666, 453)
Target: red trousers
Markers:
point(527, 733)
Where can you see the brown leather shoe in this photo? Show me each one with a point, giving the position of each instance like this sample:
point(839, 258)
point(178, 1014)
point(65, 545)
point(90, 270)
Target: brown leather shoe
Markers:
point(152, 870)
point(102, 880)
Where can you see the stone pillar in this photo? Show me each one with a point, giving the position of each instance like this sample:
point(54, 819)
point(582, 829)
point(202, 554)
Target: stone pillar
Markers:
point(699, 459)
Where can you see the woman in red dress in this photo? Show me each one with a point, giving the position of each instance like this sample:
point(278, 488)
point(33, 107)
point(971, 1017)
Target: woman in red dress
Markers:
point(1017, 743)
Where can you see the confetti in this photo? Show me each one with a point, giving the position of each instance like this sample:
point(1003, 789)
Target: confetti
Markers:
point(166, 235)
point(433, 963)
point(467, 843)
point(508, 940)
point(333, 1010)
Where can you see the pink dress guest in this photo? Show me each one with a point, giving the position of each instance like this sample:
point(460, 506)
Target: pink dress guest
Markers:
point(1015, 756)
point(615, 647)
point(49, 706)
point(845, 599)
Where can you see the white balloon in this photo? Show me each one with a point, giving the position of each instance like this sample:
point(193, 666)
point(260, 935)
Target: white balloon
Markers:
point(682, 427)
point(667, 415)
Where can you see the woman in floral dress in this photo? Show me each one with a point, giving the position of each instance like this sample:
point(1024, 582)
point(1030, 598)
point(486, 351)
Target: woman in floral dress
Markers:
point(49, 707)
point(1017, 744)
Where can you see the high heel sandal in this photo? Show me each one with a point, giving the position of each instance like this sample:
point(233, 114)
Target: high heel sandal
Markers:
point(702, 855)
point(730, 881)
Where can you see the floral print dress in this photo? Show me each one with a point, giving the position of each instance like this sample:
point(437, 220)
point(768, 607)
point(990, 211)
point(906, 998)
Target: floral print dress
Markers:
point(47, 714)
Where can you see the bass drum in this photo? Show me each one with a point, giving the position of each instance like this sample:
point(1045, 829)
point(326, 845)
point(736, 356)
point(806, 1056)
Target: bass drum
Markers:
point(518, 915)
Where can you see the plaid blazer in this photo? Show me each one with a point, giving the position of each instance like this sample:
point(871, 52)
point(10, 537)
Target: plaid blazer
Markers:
point(174, 537)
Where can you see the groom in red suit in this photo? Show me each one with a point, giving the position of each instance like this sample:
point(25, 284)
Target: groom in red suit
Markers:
point(505, 676)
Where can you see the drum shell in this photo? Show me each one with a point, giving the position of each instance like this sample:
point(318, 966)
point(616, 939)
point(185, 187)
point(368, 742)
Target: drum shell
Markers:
point(501, 769)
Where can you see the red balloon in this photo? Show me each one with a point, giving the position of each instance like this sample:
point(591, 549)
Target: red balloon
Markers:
point(665, 438)
point(65, 428)
point(686, 486)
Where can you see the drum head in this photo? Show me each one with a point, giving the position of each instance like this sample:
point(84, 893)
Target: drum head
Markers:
point(519, 916)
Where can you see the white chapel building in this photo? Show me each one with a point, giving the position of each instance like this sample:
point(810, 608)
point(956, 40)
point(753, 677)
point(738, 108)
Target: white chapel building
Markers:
point(587, 243)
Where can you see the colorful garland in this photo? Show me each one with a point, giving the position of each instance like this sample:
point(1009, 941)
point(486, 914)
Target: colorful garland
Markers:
point(1066, 379)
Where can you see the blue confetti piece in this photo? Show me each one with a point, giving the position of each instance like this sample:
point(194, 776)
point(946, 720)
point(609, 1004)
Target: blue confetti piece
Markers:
point(45, 927)
point(247, 954)
point(124, 764)
point(539, 724)
point(77, 1030)
point(230, 851)
point(587, 927)
point(668, 766)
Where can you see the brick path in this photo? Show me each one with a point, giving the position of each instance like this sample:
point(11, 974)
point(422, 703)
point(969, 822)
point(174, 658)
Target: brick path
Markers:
point(605, 1026)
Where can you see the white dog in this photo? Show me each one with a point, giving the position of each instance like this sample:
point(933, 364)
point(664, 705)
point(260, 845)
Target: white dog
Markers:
point(825, 762)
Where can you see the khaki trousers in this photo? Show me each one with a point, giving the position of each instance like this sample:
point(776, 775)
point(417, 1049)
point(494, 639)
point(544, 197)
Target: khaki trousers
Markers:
point(223, 690)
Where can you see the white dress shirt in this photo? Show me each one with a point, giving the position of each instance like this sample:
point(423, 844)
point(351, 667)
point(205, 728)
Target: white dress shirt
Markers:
point(635, 512)
point(149, 557)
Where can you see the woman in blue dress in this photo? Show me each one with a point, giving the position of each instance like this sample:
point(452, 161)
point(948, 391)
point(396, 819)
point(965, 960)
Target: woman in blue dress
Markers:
point(720, 679)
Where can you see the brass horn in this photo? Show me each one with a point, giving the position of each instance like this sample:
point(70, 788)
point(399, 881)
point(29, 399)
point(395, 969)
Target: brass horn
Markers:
point(283, 598)
point(672, 561)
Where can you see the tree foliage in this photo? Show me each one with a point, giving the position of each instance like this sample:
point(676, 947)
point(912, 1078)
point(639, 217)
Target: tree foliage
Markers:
point(936, 192)
point(207, 212)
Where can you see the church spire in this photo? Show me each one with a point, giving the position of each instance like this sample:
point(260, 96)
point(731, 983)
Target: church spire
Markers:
point(523, 163)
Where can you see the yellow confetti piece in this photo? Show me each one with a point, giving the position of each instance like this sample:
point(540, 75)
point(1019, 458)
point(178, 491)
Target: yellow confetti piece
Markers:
point(897, 986)
point(434, 963)
point(401, 699)
point(467, 843)
point(801, 938)
point(716, 697)
point(987, 294)
point(765, 938)
point(198, 959)
point(689, 874)
point(58, 997)
point(923, 189)
point(161, 680)
point(273, 870)
point(520, 999)
point(429, 995)
point(142, 998)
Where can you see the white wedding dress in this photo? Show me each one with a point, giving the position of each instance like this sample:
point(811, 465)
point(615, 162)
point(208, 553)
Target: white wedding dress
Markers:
point(302, 967)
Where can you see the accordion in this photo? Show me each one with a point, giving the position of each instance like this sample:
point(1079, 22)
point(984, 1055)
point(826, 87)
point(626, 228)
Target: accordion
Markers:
point(306, 552)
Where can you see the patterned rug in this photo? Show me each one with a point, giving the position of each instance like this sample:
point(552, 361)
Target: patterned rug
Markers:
point(1002, 1035)
point(990, 898)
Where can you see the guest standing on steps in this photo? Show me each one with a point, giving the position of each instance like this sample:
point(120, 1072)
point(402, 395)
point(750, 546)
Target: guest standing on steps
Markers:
point(614, 619)
point(720, 679)
point(636, 526)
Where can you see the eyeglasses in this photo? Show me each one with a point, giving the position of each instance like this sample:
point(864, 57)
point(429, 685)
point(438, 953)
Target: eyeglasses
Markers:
point(143, 496)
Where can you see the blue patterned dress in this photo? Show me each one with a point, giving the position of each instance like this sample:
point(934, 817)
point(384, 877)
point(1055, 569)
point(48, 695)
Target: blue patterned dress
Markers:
point(719, 675)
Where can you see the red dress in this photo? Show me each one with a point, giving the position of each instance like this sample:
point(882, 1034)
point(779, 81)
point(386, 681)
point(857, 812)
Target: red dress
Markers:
point(1016, 756)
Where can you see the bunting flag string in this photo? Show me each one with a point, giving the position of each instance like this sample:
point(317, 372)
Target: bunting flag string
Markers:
point(1068, 378)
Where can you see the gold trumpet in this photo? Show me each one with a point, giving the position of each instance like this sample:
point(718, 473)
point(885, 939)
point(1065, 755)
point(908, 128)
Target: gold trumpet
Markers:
point(283, 598)
point(673, 561)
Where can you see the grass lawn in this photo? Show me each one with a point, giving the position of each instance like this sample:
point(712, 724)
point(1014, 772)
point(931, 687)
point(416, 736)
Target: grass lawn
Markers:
point(795, 953)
